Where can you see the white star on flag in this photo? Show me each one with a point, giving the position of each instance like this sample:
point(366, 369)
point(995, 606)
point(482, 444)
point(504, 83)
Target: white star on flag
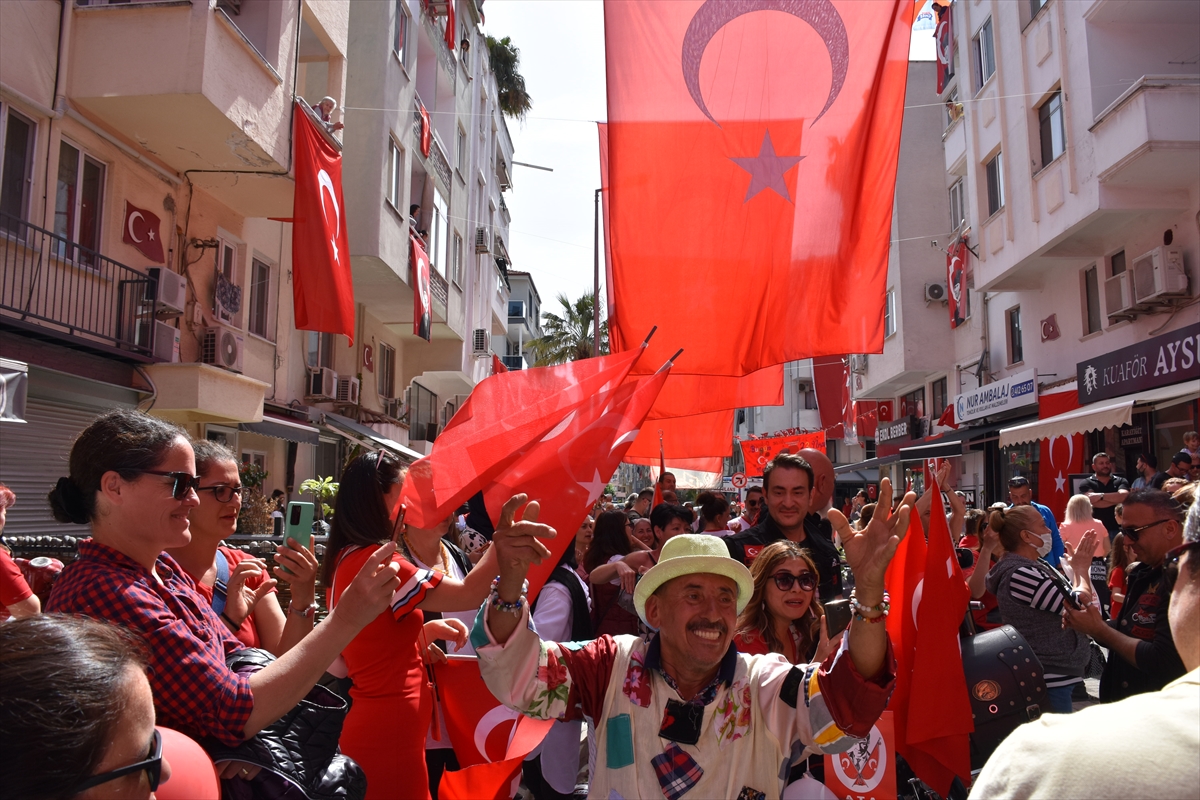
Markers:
point(1060, 483)
point(594, 487)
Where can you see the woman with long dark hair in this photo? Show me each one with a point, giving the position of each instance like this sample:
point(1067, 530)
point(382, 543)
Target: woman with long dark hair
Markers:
point(386, 727)
point(608, 574)
point(714, 513)
point(784, 614)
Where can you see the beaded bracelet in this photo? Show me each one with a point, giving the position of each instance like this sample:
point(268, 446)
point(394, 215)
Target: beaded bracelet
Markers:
point(861, 611)
point(499, 605)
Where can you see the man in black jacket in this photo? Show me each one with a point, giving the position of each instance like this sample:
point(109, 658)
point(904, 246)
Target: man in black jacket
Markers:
point(787, 484)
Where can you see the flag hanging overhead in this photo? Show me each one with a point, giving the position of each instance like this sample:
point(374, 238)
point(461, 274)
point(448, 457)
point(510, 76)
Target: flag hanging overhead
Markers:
point(322, 282)
point(422, 297)
point(751, 161)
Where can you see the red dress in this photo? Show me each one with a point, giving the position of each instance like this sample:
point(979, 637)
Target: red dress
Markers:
point(247, 634)
point(385, 728)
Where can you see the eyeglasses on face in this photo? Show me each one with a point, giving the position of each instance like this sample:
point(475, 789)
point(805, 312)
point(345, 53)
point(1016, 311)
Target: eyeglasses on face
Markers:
point(152, 766)
point(1133, 534)
point(222, 492)
point(183, 482)
point(784, 581)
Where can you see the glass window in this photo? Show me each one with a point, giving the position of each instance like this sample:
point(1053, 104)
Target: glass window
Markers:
point(1016, 351)
point(985, 55)
point(395, 170)
point(938, 389)
point(516, 308)
point(457, 271)
point(889, 314)
point(17, 169)
point(1091, 300)
point(319, 350)
point(1117, 262)
point(77, 200)
point(995, 185)
point(438, 234)
point(958, 205)
point(460, 146)
point(913, 403)
point(1035, 6)
point(260, 296)
point(400, 35)
point(1050, 124)
point(385, 370)
point(227, 300)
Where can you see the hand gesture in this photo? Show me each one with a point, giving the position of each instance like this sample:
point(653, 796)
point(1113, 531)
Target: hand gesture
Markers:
point(516, 540)
point(1087, 620)
point(240, 599)
point(303, 565)
point(371, 590)
point(1081, 558)
point(627, 576)
point(450, 629)
point(827, 646)
point(869, 551)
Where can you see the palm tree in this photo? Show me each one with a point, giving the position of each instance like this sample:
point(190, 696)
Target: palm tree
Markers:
point(515, 102)
point(569, 337)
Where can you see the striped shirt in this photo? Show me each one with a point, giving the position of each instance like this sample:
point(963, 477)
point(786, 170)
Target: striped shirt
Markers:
point(1037, 589)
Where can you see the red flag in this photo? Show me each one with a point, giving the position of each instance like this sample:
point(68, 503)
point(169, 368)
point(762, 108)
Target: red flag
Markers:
point(141, 231)
point(943, 39)
point(323, 285)
point(956, 282)
point(504, 416)
point(450, 24)
point(947, 418)
point(903, 579)
point(773, 203)
point(939, 721)
point(569, 467)
point(1060, 455)
point(756, 453)
point(702, 436)
point(498, 365)
point(662, 467)
point(829, 380)
point(422, 297)
point(426, 130)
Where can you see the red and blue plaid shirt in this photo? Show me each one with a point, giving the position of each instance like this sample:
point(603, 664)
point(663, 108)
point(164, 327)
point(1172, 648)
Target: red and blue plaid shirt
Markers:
point(187, 643)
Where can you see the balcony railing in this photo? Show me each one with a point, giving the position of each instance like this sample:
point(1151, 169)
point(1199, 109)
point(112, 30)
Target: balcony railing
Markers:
point(439, 288)
point(55, 287)
point(513, 362)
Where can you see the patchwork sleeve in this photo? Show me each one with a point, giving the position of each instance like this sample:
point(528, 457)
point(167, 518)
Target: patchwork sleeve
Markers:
point(543, 680)
point(824, 706)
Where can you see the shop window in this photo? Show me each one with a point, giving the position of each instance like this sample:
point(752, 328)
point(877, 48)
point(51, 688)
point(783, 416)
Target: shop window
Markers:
point(938, 390)
point(385, 370)
point(15, 170)
point(1091, 301)
point(79, 193)
point(985, 55)
point(995, 184)
point(1016, 349)
point(1050, 127)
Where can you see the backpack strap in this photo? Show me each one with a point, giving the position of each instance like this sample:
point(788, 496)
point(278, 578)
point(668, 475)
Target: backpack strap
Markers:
point(221, 587)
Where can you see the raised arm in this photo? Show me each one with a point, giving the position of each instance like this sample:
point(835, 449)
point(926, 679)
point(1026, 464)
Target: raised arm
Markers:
point(517, 549)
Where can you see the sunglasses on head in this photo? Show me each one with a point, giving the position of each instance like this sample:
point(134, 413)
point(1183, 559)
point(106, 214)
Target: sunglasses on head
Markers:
point(1171, 563)
point(183, 482)
point(152, 766)
point(223, 492)
point(1133, 534)
point(784, 581)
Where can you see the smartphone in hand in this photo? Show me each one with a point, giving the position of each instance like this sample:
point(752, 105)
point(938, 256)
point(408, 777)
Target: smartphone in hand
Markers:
point(837, 616)
point(298, 524)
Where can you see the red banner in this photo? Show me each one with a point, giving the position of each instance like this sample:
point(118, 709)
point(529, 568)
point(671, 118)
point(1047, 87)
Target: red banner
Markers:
point(141, 231)
point(943, 38)
point(322, 281)
point(757, 453)
point(426, 131)
point(422, 297)
point(1060, 455)
point(869, 768)
point(956, 283)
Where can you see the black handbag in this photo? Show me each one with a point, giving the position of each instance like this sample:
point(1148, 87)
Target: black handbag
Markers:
point(298, 753)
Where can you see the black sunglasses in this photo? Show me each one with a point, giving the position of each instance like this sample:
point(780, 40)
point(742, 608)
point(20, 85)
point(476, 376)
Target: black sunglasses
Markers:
point(152, 766)
point(1171, 563)
point(784, 581)
point(1133, 534)
point(223, 492)
point(183, 482)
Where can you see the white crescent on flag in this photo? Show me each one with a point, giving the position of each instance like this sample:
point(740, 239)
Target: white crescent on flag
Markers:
point(326, 184)
point(132, 232)
point(488, 722)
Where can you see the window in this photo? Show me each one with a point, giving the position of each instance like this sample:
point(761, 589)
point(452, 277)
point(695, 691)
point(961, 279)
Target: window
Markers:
point(77, 200)
point(395, 171)
point(516, 308)
point(808, 396)
point(254, 457)
point(319, 349)
point(1050, 124)
point(889, 314)
point(995, 185)
point(385, 370)
point(1117, 262)
point(260, 297)
point(958, 205)
point(953, 112)
point(400, 33)
point(460, 146)
point(456, 272)
point(1035, 6)
point(938, 389)
point(227, 294)
point(985, 55)
point(16, 170)
point(1016, 352)
point(913, 403)
point(1091, 300)
point(437, 234)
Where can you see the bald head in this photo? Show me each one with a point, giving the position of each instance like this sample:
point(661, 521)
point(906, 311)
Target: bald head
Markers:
point(822, 488)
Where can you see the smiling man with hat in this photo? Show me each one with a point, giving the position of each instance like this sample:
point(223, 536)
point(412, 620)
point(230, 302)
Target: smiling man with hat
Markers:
point(685, 714)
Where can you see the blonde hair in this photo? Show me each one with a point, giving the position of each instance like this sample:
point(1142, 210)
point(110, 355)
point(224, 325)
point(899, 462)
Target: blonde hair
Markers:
point(1079, 508)
point(757, 617)
point(1009, 522)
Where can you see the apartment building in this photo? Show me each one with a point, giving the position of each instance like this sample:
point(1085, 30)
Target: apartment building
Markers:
point(524, 321)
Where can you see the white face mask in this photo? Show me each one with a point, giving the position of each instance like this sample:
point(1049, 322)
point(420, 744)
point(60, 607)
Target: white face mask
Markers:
point(1047, 543)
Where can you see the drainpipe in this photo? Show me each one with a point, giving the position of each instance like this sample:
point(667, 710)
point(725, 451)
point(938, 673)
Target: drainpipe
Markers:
point(60, 73)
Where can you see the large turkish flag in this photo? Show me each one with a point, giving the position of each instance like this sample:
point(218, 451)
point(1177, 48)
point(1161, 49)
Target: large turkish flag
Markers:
point(1060, 455)
point(141, 231)
point(322, 281)
point(751, 166)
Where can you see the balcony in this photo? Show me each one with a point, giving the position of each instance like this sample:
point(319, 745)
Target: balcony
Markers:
point(53, 288)
point(191, 393)
point(197, 88)
point(1149, 137)
point(513, 362)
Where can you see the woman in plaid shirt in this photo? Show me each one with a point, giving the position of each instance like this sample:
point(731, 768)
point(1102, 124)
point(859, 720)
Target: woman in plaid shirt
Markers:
point(133, 478)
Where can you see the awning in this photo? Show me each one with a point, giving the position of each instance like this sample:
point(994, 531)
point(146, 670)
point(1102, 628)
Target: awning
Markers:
point(283, 429)
point(936, 449)
point(870, 463)
point(14, 388)
point(1097, 417)
point(366, 436)
point(858, 476)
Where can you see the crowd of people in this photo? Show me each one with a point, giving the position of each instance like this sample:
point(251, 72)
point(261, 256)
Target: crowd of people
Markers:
point(680, 652)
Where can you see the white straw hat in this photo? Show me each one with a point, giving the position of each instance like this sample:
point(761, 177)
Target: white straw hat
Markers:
point(693, 554)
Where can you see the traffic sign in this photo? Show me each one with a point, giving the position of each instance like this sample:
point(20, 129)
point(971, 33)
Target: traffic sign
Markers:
point(738, 480)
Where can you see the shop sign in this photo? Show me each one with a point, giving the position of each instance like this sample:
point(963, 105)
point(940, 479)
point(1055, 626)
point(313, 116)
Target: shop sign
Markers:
point(1162, 361)
point(1132, 436)
point(1013, 392)
point(905, 428)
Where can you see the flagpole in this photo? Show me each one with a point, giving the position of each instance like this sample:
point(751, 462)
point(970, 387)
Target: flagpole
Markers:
point(596, 281)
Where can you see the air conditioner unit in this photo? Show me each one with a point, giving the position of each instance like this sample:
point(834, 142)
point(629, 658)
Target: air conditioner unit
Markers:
point(347, 390)
point(169, 289)
point(483, 243)
point(222, 348)
point(479, 342)
point(1118, 294)
point(858, 364)
point(1157, 274)
point(166, 342)
point(935, 293)
point(322, 384)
